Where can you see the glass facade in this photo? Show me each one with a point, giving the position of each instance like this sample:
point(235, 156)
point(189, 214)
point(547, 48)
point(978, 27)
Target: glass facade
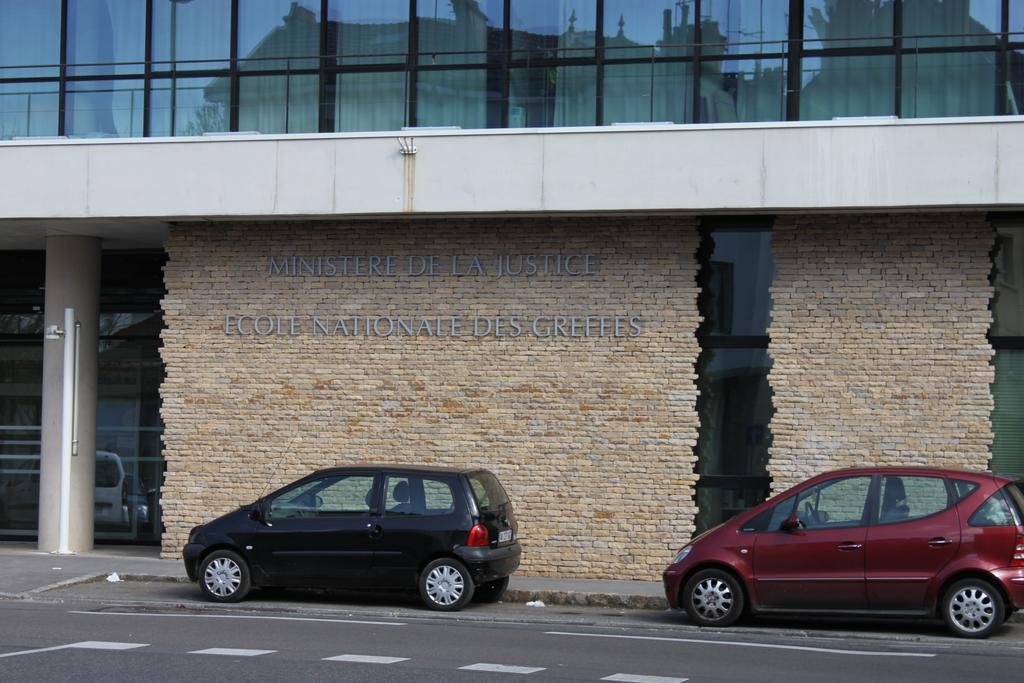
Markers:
point(129, 462)
point(1007, 336)
point(168, 67)
point(734, 404)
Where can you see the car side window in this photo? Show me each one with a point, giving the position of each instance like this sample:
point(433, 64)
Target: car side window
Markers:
point(832, 504)
point(993, 512)
point(904, 498)
point(325, 497)
point(417, 496)
point(770, 519)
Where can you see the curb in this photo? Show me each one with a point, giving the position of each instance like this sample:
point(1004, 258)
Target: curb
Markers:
point(575, 599)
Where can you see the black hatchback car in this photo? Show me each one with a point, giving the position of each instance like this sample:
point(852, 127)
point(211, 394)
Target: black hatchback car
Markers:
point(450, 533)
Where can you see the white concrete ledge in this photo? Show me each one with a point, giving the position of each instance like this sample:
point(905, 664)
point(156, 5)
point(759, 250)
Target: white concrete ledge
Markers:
point(805, 166)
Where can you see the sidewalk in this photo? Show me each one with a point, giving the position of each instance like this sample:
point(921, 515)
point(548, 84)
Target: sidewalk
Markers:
point(26, 572)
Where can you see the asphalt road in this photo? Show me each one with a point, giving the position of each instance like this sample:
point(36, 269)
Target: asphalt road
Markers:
point(81, 639)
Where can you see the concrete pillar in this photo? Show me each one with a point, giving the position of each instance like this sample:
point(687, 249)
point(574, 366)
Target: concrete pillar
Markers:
point(72, 281)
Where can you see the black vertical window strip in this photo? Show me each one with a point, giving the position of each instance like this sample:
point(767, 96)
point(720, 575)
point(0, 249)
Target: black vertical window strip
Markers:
point(412, 61)
point(62, 89)
point(698, 39)
point(147, 83)
point(599, 66)
point(324, 121)
point(233, 104)
point(794, 62)
point(897, 39)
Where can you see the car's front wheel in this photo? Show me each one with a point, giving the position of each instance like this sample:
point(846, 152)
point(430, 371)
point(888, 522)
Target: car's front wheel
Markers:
point(973, 608)
point(713, 597)
point(224, 576)
point(445, 585)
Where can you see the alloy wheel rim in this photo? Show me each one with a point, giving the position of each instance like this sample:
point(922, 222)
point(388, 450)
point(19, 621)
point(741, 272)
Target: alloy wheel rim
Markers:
point(712, 598)
point(445, 585)
point(222, 577)
point(972, 609)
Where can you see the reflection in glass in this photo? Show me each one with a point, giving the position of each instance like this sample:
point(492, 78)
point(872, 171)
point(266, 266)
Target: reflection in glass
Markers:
point(950, 84)
point(278, 104)
point(369, 31)
point(278, 28)
point(847, 86)
point(645, 91)
point(827, 22)
point(1008, 280)
point(101, 32)
point(370, 101)
point(665, 24)
point(562, 28)
point(21, 377)
point(950, 18)
point(734, 297)
point(472, 27)
point(28, 109)
point(470, 98)
point(194, 30)
point(188, 106)
point(1015, 82)
point(1008, 413)
point(543, 97)
point(104, 109)
point(28, 37)
point(743, 90)
point(743, 25)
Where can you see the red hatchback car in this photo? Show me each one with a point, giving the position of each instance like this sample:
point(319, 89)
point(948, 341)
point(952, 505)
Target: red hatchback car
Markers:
point(894, 541)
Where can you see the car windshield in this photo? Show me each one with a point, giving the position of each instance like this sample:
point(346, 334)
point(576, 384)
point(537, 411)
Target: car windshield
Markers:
point(487, 491)
point(106, 472)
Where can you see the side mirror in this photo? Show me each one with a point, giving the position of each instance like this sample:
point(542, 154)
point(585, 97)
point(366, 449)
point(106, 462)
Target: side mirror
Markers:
point(791, 523)
point(256, 513)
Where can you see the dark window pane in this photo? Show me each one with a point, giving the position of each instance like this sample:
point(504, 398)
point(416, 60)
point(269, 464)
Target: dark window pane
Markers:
point(558, 28)
point(744, 26)
point(369, 31)
point(827, 24)
point(189, 106)
point(487, 490)
point(847, 86)
point(21, 377)
point(905, 498)
point(417, 496)
point(993, 512)
point(470, 98)
point(278, 28)
point(102, 32)
point(661, 91)
point(370, 101)
point(194, 30)
point(837, 503)
point(948, 20)
point(1008, 279)
point(1015, 82)
point(469, 28)
point(28, 109)
point(104, 109)
point(663, 27)
point(278, 104)
point(1008, 414)
point(951, 84)
point(552, 96)
point(735, 298)
point(743, 90)
point(29, 36)
point(964, 488)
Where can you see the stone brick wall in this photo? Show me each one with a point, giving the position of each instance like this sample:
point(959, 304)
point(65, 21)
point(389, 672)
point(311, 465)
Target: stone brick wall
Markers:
point(878, 343)
point(592, 436)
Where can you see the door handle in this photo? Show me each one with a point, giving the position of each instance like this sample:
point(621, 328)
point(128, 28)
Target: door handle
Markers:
point(939, 542)
point(850, 546)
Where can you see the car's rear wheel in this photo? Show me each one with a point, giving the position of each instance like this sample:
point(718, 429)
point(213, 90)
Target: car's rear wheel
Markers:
point(224, 576)
point(973, 608)
point(445, 585)
point(492, 591)
point(713, 597)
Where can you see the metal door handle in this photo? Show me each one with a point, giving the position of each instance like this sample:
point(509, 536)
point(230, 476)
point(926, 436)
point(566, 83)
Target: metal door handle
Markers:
point(938, 542)
point(850, 546)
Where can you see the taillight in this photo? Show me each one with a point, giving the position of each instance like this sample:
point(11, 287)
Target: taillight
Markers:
point(478, 537)
point(1018, 552)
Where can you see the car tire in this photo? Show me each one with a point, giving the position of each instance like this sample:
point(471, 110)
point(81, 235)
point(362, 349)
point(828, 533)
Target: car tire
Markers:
point(224, 576)
point(492, 591)
point(445, 585)
point(973, 608)
point(713, 597)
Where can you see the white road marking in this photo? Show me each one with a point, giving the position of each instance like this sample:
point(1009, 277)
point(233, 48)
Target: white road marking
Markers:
point(366, 659)
point(231, 652)
point(84, 645)
point(804, 648)
point(634, 678)
point(241, 616)
point(502, 668)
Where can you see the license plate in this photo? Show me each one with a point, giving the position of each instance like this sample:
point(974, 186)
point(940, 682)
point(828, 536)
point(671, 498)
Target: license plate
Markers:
point(504, 536)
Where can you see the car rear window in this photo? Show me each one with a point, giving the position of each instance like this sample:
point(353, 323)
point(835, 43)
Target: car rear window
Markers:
point(996, 511)
point(107, 473)
point(487, 491)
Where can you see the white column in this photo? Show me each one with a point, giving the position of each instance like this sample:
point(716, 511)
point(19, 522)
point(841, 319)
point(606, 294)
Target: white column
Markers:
point(72, 282)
